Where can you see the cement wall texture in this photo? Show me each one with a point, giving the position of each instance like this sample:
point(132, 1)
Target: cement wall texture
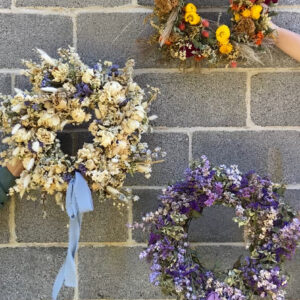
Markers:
point(248, 116)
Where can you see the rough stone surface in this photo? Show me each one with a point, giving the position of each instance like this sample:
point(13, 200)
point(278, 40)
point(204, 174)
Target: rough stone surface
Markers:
point(176, 146)
point(5, 84)
point(114, 272)
point(105, 224)
point(22, 82)
point(270, 152)
point(276, 101)
point(72, 3)
point(4, 230)
point(196, 100)
point(5, 3)
point(29, 273)
point(40, 229)
point(20, 33)
point(292, 197)
point(215, 225)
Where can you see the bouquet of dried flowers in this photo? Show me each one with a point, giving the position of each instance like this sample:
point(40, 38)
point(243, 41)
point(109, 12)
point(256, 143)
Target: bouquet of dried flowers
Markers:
point(66, 91)
point(183, 34)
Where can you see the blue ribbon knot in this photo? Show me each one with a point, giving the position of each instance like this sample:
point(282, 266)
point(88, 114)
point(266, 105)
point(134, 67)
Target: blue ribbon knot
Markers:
point(78, 201)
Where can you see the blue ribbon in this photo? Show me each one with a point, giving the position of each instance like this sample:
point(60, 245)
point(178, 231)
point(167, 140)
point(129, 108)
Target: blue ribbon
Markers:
point(78, 201)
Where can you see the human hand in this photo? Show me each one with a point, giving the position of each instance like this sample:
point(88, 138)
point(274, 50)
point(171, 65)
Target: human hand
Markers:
point(15, 168)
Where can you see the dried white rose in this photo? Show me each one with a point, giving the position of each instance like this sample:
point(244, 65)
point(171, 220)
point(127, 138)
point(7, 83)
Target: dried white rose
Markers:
point(78, 115)
point(113, 88)
point(106, 138)
point(88, 75)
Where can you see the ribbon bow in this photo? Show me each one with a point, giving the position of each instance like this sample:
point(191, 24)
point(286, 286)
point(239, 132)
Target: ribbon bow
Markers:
point(78, 201)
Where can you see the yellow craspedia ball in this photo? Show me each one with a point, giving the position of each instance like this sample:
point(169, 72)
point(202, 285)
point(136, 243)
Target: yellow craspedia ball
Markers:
point(223, 34)
point(256, 11)
point(246, 13)
point(192, 18)
point(190, 7)
point(226, 48)
point(237, 17)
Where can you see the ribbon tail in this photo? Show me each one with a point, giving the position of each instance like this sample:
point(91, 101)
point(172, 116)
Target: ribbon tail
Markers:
point(59, 281)
point(78, 201)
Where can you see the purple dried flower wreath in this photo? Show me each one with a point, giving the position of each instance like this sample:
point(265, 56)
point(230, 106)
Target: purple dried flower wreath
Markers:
point(272, 229)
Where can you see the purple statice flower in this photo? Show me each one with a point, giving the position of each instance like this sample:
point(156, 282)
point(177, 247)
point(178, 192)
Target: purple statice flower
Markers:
point(82, 169)
point(67, 177)
point(82, 90)
point(27, 103)
point(114, 70)
point(153, 238)
point(35, 106)
point(97, 67)
point(46, 81)
point(153, 278)
point(213, 296)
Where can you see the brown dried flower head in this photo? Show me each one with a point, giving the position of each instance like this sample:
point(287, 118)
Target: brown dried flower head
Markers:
point(245, 26)
point(165, 6)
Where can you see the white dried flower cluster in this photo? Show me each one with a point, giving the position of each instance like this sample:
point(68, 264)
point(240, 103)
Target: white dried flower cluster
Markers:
point(66, 91)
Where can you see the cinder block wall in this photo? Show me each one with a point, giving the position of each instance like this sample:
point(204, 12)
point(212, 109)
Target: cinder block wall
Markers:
point(248, 116)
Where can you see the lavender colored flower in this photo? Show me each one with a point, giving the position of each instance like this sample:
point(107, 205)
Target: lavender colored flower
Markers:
point(213, 296)
point(114, 70)
point(82, 90)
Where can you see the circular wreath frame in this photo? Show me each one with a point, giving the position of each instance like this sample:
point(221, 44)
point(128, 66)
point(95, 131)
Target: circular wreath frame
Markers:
point(271, 226)
point(67, 92)
point(182, 33)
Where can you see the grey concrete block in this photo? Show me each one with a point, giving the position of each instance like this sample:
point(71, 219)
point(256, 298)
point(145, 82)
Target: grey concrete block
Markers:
point(105, 224)
point(115, 37)
point(292, 197)
point(68, 142)
point(293, 268)
point(20, 33)
point(32, 226)
point(275, 100)
point(5, 3)
point(29, 273)
point(215, 225)
point(288, 20)
point(71, 3)
point(114, 273)
point(4, 229)
point(22, 82)
point(5, 84)
point(189, 100)
point(269, 152)
point(176, 146)
point(148, 202)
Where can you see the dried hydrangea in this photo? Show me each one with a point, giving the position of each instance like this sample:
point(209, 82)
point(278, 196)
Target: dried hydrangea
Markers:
point(66, 91)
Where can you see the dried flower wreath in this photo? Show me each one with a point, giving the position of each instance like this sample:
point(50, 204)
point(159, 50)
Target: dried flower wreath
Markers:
point(182, 33)
point(271, 226)
point(66, 91)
